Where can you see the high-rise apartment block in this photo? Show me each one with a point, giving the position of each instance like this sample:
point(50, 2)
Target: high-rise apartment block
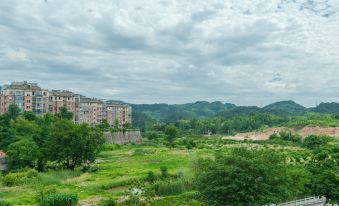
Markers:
point(118, 112)
point(59, 99)
point(30, 97)
point(92, 111)
point(27, 96)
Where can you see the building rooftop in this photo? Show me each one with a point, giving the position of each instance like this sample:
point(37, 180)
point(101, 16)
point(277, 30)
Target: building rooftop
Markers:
point(63, 93)
point(90, 100)
point(118, 105)
point(23, 86)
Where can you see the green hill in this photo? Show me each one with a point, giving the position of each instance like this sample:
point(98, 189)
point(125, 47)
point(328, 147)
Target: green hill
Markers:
point(285, 108)
point(326, 108)
point(172, 113)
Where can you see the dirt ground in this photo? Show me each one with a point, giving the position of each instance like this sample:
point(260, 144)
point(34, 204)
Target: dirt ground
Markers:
point(329, 131)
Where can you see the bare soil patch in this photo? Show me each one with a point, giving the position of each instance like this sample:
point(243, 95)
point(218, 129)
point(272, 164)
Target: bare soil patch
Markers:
point(304, 132)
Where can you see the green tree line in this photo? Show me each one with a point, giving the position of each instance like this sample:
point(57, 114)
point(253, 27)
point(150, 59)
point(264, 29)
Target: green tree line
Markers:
point(41, 141)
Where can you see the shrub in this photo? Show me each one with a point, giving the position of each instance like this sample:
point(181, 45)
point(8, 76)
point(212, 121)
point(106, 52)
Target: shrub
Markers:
point(59, 199)
point(314, 142)
point(111, 147)
point(108, 202)
point(133, 201)
point(17, 178)
point(3, 203)
point(172, 187)
point(164, 171)
point(151, 177)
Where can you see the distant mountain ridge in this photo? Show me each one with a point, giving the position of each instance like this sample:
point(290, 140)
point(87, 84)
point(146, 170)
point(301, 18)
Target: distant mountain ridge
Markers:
point(171, 113)
point(202, 109)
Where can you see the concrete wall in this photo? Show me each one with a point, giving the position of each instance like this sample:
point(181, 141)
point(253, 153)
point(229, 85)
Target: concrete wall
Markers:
point(3, 164)
point(122, 138)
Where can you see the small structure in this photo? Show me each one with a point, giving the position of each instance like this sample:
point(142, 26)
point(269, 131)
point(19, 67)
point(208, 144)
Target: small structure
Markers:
point(3, 162)
point(310, 201)
point(131, 136)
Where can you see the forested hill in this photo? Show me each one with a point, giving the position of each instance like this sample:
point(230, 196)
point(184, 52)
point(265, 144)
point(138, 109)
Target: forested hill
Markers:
point(151, 113)
point(171, 113)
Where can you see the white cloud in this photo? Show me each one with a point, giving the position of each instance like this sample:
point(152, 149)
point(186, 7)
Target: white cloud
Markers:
point(174, 51)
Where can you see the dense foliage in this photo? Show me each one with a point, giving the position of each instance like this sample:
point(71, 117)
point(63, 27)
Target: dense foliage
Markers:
point(35, 142)
point(149, 114)
point(233, 125)
point(250, 177)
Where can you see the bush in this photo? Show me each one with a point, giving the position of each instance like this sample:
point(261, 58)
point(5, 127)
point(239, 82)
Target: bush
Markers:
point(59, 199)
point(17, 178)
point(173, 187)
point(111, 147)
point(3, 203)
point(314, 142)
point(262, 176)
point(151, 177)
point(164, 171)
point(108, 202)
point(152, 135)
point(133, 201)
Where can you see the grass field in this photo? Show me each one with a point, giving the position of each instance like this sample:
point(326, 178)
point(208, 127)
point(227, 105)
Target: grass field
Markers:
point(117, 169)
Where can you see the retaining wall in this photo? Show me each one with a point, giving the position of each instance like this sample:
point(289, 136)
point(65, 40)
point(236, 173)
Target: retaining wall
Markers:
point(122, 137)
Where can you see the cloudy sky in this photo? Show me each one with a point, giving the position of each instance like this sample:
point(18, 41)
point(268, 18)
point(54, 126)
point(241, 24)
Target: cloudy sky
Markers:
point(175, 51)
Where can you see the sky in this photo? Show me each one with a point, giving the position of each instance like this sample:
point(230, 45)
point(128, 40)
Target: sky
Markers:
point(247, 52)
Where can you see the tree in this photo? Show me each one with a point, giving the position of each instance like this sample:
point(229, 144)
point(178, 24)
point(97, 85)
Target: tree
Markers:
point(6, 132)
point(13, 111)
point(28, 115)
point(73, 145)
point(23, 127)
point(127, 126)
point(104, 124)
point(314, 142)
point(249, 177)
point(64, 114)
point(324, 174)
point(23, 153)
point(116, 125)
point(152, 135)
point(171, 133)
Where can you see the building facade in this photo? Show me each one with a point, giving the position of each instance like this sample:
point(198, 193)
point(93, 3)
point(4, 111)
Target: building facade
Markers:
point(31, 97)
point(92, 111)
point(27, 96)
point(121, 113)
point(59, 99)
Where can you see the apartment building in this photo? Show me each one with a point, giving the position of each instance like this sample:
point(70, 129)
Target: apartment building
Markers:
point(59, 99)
point(120, 112)
point(92, 111)
point(31, 97)
point(27, 96)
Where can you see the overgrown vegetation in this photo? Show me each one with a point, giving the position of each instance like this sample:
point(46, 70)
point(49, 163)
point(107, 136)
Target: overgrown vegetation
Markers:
point(55, 162)
point(37, 142)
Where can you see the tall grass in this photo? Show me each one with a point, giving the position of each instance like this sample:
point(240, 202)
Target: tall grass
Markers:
point(59, 199)
point(171, 187)
point(19, 178)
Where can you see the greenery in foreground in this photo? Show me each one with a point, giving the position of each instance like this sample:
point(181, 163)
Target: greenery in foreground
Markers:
point(212, 171)
point(175, 165)
point(51, 141)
